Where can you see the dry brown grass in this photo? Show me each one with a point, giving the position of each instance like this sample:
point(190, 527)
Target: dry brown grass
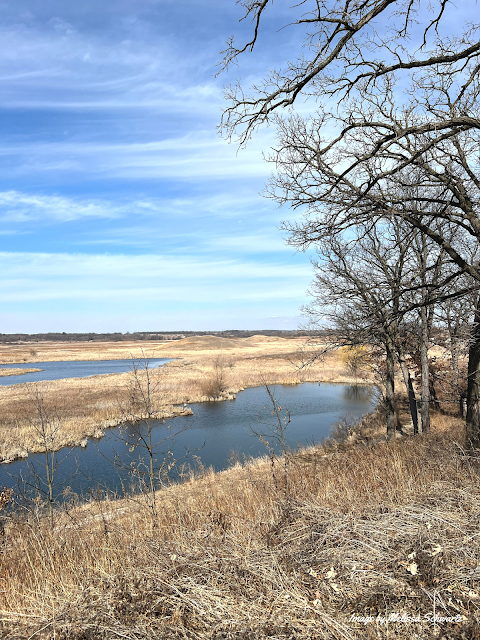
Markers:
point(16, 372)
point(88, 406)
point(55, 351)
point(362, 530)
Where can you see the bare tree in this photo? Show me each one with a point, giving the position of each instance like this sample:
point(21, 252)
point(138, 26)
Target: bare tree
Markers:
point(455, 316)
point(405, 88)
point(214, 384)
point(144, 431)
point(430, 211)
point(351, 49)
point(273, 434)
point(445, 211)
point(407, 378)
point(45, 421)
point(358, 288)
point(432, 271)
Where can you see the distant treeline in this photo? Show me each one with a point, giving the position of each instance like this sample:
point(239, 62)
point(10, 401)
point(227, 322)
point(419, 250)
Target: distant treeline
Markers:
point(145, 335)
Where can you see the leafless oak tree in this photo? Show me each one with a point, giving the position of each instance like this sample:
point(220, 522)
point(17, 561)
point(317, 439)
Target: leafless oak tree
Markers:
point(350, 49)
point(395, 131)
point(359, 288)
point(455, 316)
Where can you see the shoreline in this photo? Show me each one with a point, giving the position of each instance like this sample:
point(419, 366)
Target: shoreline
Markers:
point(7, 373)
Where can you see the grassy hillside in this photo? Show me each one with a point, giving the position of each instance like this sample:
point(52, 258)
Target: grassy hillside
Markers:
point(348, 533)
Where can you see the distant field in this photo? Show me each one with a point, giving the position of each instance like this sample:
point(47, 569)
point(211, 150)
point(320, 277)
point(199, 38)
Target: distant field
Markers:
point(55, 351)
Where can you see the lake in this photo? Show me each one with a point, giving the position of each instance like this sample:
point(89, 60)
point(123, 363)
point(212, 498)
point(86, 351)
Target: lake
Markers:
point(221, 428)
point(71, 369)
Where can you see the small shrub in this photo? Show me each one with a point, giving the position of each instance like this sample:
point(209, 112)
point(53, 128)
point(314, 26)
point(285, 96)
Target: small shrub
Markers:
point(343, 430)
point(6, 496)
point(357, 360)
point(215, 383)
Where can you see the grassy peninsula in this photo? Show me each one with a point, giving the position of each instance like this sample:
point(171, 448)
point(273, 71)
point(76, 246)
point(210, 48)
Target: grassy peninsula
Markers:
point(16, 372)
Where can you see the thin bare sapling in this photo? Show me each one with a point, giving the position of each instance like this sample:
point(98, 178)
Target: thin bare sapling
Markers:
point(143, 405)
point(42, 484)
point(273, 434)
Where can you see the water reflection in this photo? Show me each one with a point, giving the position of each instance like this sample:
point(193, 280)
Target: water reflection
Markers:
point(358, 393)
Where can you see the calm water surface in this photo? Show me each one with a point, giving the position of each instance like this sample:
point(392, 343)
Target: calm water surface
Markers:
point(74, 369)
point(221, 428)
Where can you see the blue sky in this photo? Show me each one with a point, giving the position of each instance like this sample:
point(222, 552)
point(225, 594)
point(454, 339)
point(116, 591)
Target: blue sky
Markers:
point(121, 207)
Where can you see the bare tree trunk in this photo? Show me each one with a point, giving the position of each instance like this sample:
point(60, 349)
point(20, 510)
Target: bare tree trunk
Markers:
point(454, 357)
point(434, 401)
point(390, 390)
point(425, 386)
point(472, 428)
point(412, 399)
point(456, 374)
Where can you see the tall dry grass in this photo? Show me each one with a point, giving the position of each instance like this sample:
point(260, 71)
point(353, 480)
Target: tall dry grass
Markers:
point(362, 530)
point(16, 372)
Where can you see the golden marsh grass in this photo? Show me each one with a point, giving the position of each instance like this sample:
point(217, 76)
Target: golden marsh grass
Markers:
point(16, 372)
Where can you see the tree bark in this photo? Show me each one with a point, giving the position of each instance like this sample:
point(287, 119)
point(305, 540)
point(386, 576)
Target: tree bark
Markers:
point(472, 427)
point(390, 390)
point(454, 357)
point(412, 399)
point(434, 401)
point(456, 375)
point(425, 386)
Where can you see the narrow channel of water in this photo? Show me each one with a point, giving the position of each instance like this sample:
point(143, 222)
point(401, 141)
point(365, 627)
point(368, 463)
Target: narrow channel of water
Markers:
point(215, 432)
point(71, 369)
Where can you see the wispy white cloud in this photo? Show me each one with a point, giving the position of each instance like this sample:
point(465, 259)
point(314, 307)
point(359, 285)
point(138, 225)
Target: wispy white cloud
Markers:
point(191, 157)
point(18, 206)
point(138, 85)
point(267, 242)
point(54, 65)
point(21, 207)
point(128, 279)
point(145, 266)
